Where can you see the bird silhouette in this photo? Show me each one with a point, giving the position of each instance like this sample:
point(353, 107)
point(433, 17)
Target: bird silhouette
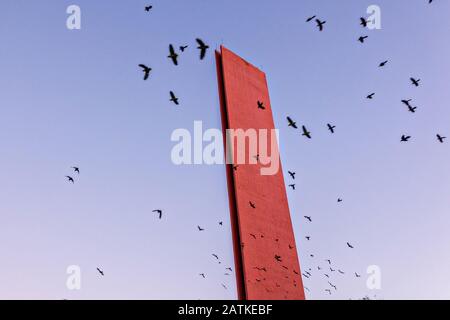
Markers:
point(261, 105)
point(292, 186)
point(412, 109)
point(310, 19)
point(220, 223)
point(405, 138)
point(76, 170)
point(370, 96)
point(229, 269)
point(291, 123)
point(339, 200)
point(159, 211)
point(252, 205)
point(200, 229)
point(329, 261)
point(331, 128)
point(306, 133)
point(382, 64)
point(182, 48)
point(101, 272)
point(441, 138)
point(357, 275)
point(70, 179)
point(146, 71)
point(320, 24)
point(203, 275)
point(349, 245)
point(341, 272)
point(292, 174)
point(215, 256)
point(278, 258)
point(148, 8)
point(332, 285)
point(308, 218)
point(224, 286)
point(415, 82)
point(407, 102)
point(362, 38)
point(173, 98)
point(308, 238)
point(328, 290)
point(173, 55)
point(252, 235)
point(332, 270)
point(363, 22)
point(202, 47)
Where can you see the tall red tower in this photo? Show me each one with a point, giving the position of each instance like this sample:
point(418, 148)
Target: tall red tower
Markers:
point(266, 260)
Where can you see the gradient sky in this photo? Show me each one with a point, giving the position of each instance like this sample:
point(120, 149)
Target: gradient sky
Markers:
point(76, 98)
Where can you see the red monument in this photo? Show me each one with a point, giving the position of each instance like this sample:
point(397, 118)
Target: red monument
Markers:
point(266, 261)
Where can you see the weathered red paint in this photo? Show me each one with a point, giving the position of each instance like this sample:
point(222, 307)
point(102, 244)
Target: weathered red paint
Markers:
point(259, 275)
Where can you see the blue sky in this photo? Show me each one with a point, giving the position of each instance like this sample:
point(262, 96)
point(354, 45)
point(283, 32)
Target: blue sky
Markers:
point(76, 98)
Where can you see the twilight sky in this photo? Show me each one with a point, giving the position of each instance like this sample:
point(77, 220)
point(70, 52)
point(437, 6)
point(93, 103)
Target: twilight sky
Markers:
point(77, 98)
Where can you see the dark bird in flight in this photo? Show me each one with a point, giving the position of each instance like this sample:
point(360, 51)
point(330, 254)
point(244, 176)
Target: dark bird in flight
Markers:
point(251, 234)
point(412, 109)
point(215, 256)
point(260, 269)
point(70, 179)
point(349, 245)
point(332, 285)
point(306, 133)
point(202, 47)
point(252, 205)
point(291, 123)
point(173, 55)
point(291, 247)
point(363, 22)
point(148, 8)
point(331, 128)
point(292, 174)
point(332, 270)
point(224, 286)
point(362, 39)
point(173, 98)
point(76, 169)
point(278, 258)
point(220, 223)
point(329, 261)
point(146, 70)
point(308, 218)
point(308, 238)
point(310, 19)
point(339, 200)
point(328, 290)
point(200, 229)
point(441, 138)
point(230, 269)
point(235, 167)
point(357, 275)
point(405, 138)
point(407, 102)
point(415, 82)
point(370, 96)
point(203, 275)
point(182, 48)
point(101, 272)
point(326, 275)
point(292, 186)
point(305, 275)
point(320, 24)
point(261, 105)
point(159, 212)
point(341, 272)
point(383, 63)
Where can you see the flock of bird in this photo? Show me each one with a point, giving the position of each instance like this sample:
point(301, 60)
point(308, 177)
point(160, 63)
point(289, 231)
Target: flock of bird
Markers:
point(330, 269)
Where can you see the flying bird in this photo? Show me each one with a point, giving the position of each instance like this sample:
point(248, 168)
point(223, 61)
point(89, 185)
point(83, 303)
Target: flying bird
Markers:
point(306, 133)
point(146, 70)
point(292, 174)
point(203, 275)
point(252, 205)
point(363, 22)
point(349, 245)
point(341, 272)
point(215, 256)
point(70, 179)
point(328, 290)
point(182, 48)
point(291, 123)
point(339, 200)
point(405, 138)
point(310, 19)
point(407, 102)
point(292, 186)
point(383, 63)
point(261, 105)
point(331, 128)
point(278, 258)
point(159, 212)
point(441, 138)
point(148, 8)
point(308, 238)
point(173, 98)
point(221, 223)
point(230, 269)
point(412, 109)
point(329, 261)
point(370, 96)
point(202, 47)
point(320, 24)
point(357, 275)
point(200, 229)
point(101, 272)
point(224, 286)
point(173, 55)
point(76, 169)
point(362, 38)
point(415, 82)
point(308, 218)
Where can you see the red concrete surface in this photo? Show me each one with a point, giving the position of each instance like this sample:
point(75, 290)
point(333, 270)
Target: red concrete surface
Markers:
point(259, 275)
